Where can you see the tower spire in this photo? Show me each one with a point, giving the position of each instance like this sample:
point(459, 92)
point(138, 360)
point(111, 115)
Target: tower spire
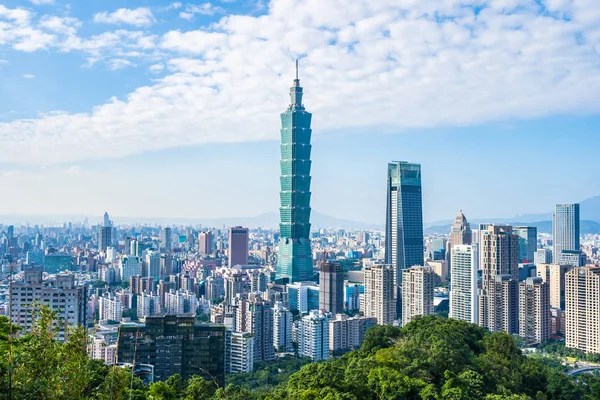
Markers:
point(296, 69)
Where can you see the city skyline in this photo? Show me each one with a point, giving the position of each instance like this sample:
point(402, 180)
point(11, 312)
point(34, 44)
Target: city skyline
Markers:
point(65, 133)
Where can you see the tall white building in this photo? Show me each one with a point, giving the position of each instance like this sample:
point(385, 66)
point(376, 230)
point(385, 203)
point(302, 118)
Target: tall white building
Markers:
point(379, 300)
point(239, 352)
point(463, 285)
point(148, 304)
point(582, 313)
point(129, 266)
point(60, 294)
point(282, 328)
point(313, 335)
point(417, 293)
point(152, 261)
point(181, 302)
point(565, 231)
point(110, 308)
point(534, 310)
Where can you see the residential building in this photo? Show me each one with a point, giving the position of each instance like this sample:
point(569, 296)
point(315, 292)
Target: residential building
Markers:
point(417, 292)
point(239, 352)
point(534, 310)
point(347, 333)
point(554, 276)
point(499, 295)
point(404, 218)
point(582, 309)
point(147, 304)
point(129, 266)
point(110, 308)
point(295, 256)
point(175, 344)
point(313, 335)
point(282, 328)
point(379, 296)
point(463, 287)
point(259, 321)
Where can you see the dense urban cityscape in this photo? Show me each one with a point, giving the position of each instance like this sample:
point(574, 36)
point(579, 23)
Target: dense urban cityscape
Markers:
point(202, 301)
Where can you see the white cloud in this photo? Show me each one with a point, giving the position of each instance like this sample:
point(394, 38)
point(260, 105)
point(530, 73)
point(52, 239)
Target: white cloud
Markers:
point(202, 9)
point(156, 68)
point(174, 6)
point(28, 76)
point(138, 17)
point(386, 65)
point(41, 2)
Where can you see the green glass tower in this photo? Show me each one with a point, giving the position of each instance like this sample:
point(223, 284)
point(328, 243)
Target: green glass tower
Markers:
point(295, 256)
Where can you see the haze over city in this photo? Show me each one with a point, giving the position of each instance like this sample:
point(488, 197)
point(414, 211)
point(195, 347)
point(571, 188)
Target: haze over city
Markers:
point(171, 109)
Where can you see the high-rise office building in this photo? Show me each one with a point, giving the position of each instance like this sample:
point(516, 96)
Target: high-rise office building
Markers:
point(463, 287)
point(331, 288)
point(313, 340)
point(60, 293)
point(499, 296)
point(527, 242)
point(105, 234)
point(379, 297)
point(282, 328)
point(542, 256)
point(166, 239)
point(175, 344)
point(534, 310)
point(404, 218)
point(565, 230)
point(205, 243)
point(582, 309)
point(238, 246)
point(295, 255)
point(554, 276)
point(417, 292)
point(460, 233)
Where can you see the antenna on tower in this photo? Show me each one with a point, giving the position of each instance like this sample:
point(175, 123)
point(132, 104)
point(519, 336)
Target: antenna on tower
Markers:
point(296, 69)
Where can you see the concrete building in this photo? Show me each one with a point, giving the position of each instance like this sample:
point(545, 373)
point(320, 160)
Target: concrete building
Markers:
point(542, 256)
point(534, 310)
point(282, 328)
point(147, 304)
point(331, 288)
point(166, 239)
point(313, 335)
point(110, 308)
point(303, 296)
point(460, 233)
point(239, 352)
point(205, 240)
point(347, 333)
point(499, 295)
point(417, 292)
point(175, 344)
point(379, 296)
point(554, 276)
point(463, 287)
point(582, 313)
point(404, 218)
point(180, 302)
point(60, 294)
point(129, 266)
point(259, 322)
point(238, 246)
point(152, 264)
point(565, 231)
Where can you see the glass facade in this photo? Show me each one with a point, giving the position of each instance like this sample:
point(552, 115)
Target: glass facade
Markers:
point(404, 217)
point(295, 256)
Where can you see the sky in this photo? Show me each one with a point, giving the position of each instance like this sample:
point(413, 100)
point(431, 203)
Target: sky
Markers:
point(171, 109)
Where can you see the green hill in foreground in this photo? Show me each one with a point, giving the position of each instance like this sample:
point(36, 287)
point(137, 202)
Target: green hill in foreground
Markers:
point(431, 358)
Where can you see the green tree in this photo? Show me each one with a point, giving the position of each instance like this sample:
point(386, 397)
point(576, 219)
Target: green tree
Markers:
point(198, 388)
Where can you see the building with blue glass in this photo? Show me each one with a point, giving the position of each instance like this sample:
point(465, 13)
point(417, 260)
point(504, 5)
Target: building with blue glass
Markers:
point(404, 218)
point(295, 256)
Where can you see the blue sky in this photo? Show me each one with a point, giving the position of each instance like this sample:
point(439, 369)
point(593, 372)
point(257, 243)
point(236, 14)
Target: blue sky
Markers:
point(155, 108)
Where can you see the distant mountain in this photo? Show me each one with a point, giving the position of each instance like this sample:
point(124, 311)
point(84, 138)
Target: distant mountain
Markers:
point(587, 226)
point(267, 220)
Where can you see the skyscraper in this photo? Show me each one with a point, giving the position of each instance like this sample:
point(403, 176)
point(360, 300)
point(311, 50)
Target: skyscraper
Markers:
point(554, 276)
point(379, 300)
point(565, 230)
point(205, 242)
point(166, 239)
point(295, 256)
point(417, 292)
point(463, 288)
point(461, 231)
point(527, 242)
point(499, 297)
point(331, 288)
point(105, 238)
point(534, 310)
point(582, 330)
point(404, 218)
point(238, 246)
point(259, 321)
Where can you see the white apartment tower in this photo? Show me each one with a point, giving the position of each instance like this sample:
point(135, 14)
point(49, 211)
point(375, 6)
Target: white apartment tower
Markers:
point(313, 335)
point(582, 309)
point(110, 308)
point(534, 310)
point(463, 286)
point(379, 300)
point(282, 328)
point(417, 292)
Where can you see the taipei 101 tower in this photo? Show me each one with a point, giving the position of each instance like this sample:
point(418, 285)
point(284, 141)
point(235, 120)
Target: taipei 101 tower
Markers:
point(295, 255)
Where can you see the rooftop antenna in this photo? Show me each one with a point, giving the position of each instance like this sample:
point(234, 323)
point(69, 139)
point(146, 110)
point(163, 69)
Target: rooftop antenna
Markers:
point(296, 69)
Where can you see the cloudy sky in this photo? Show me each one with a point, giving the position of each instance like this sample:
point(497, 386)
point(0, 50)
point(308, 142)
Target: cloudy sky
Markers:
point(171, 109)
